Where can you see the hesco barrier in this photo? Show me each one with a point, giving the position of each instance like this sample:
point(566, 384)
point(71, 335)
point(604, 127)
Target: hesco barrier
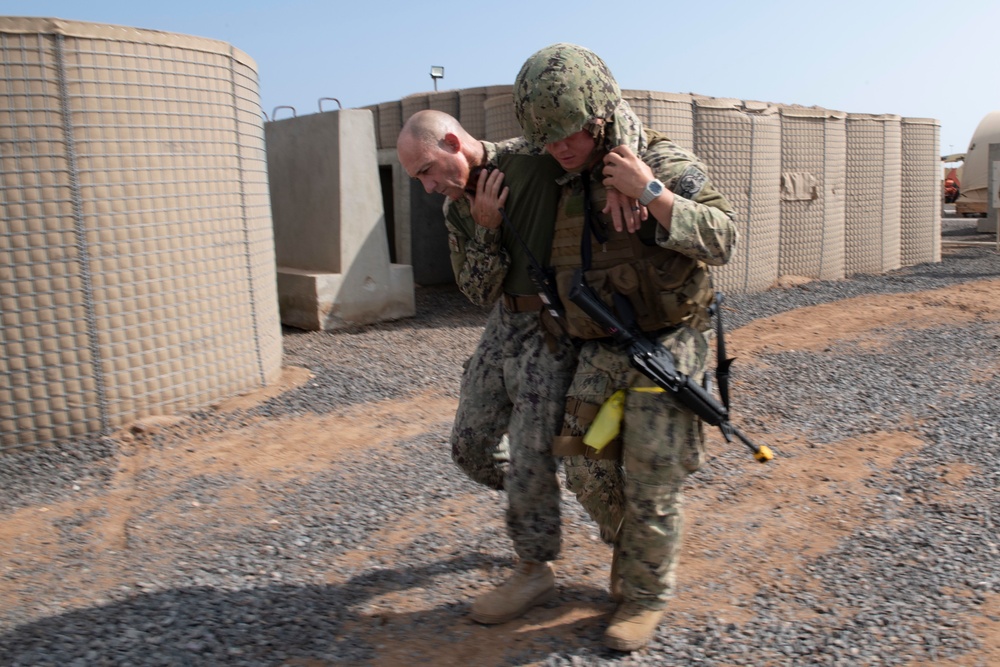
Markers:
point(668, 113)
point(813, 160)
point(920, 210)
point(446, 101)
point(390, 122)
point(137, 271)
point(741, 141)
point(472, 107)
point(501, 122)
point(820, 194)
point(872, 209)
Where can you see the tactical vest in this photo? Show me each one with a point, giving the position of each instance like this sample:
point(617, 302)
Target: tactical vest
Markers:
point(664, 287)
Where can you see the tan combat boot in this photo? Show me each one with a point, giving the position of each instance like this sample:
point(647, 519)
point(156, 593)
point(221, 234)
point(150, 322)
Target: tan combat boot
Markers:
point(631, 627)
point(532, 584)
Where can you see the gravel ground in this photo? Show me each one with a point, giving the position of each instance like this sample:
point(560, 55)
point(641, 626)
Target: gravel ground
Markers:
point(255, 593)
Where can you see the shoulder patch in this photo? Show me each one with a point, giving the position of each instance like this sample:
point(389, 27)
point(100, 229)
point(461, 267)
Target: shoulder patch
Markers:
point(690, 183)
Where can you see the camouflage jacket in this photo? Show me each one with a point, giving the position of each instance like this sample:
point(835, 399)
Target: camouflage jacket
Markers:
point(701, 227)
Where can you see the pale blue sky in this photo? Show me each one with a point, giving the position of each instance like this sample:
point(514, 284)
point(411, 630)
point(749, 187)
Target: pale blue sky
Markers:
point(917, 59)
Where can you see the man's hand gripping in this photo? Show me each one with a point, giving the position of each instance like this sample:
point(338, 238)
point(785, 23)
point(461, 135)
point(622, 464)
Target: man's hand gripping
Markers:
point(490, 197)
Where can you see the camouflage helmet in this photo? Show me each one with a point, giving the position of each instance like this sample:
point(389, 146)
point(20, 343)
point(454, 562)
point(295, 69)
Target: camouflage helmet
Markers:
point(562, 89)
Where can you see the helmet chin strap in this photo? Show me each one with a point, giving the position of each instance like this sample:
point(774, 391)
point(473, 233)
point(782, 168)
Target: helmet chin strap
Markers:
point(596, 129)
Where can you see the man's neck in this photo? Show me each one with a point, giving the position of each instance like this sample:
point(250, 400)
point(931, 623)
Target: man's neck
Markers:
point(477, 157)
point(477, 162)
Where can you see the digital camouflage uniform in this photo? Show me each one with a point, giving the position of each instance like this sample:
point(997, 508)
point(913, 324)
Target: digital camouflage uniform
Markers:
point(664, 275)
point(516, 380)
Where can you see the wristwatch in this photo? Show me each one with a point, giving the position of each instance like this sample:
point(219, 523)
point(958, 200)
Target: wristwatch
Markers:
point(653, 190)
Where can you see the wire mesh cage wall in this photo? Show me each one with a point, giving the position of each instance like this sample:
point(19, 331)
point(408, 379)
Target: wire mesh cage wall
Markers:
point(136, 253)
point(872, 209)
point(920, 217)
point(390, 122)
point(446, 101)
point(669, 113)
point(410, 105)
point(754, 151)
point(472, 107)
point(741, 143)
point(813, 164)
point(501, 122)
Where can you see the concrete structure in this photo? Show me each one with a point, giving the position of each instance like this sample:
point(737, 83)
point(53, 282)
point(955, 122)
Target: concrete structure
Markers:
point(419, 237)
point(330, 235)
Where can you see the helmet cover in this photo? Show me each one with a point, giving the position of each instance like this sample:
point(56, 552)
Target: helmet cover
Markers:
point(562, 89)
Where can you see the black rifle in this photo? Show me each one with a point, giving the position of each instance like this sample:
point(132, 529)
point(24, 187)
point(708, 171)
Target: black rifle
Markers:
point(657, 363)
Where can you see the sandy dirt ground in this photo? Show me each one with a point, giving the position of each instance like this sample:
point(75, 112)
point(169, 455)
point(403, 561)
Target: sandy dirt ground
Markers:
point(806, 500)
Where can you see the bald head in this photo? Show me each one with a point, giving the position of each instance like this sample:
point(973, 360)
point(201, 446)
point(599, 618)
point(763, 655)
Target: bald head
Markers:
point(434, 148)
point(430, 126)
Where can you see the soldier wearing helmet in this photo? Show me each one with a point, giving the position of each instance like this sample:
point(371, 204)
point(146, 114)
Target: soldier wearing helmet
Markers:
point(655, 270)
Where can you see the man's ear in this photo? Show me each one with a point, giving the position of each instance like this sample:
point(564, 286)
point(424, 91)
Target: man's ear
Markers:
point(452, 143)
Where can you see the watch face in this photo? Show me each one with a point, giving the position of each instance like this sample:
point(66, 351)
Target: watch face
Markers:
point(653, 190)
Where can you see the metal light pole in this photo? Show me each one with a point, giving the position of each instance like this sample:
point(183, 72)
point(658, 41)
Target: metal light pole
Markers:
point(437, 72)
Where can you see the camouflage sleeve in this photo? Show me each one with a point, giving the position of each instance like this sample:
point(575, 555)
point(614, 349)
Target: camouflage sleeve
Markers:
point(702, 226)
point(517, 146)
point(479, 261)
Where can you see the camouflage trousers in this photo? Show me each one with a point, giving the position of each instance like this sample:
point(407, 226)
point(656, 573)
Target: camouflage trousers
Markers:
point(514, 384)
point(637, 502)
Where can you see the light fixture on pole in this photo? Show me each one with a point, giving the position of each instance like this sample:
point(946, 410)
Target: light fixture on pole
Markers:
point(437, 72)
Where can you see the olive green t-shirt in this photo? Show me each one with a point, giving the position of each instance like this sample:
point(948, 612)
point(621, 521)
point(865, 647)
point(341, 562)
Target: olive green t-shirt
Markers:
point(531, 208)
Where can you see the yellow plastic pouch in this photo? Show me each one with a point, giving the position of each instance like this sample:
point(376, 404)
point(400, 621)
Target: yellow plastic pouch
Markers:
point(608, 422)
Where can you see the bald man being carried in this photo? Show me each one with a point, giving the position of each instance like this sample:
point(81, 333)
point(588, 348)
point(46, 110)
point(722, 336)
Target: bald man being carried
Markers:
point(516, 380)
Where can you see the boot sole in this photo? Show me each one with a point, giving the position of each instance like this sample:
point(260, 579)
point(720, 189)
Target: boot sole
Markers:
point(496, 619)
point(625, 645)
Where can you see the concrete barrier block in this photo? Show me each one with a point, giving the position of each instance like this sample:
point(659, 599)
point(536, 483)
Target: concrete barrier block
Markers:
point(330, 232)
